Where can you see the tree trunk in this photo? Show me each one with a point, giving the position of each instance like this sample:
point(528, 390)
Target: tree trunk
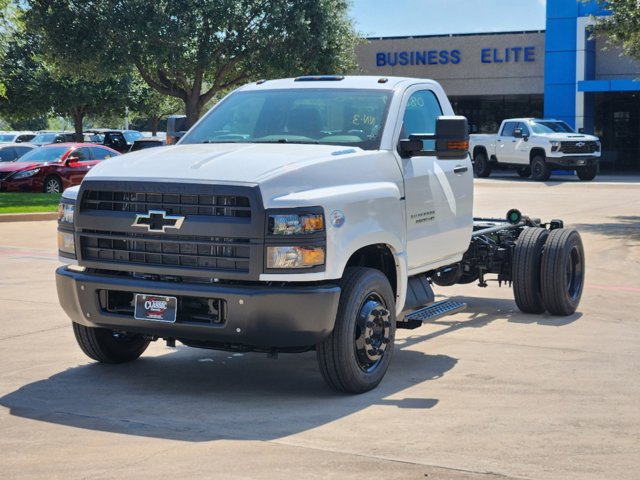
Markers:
point(193, 107)
point(78, 117)
point(154, 125)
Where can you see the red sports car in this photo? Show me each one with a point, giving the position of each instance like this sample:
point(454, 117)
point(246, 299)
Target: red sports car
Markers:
point(52, 168)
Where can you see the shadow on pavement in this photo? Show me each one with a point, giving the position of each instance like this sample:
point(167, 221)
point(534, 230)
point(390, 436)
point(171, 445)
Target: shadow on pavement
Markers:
point(199, 395)
point(624, 227)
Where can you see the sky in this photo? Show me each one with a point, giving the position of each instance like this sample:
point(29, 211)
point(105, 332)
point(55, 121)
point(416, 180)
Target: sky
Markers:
point(401, 18)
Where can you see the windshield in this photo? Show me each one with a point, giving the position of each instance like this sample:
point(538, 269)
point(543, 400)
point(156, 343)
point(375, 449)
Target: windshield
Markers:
point(6, 138)
point(550, 127)
point(44, 138)
point(131, 136)
point(44, 154)
point(322, 116)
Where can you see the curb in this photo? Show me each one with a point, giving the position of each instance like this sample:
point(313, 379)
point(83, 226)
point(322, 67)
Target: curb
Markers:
point(28, 217)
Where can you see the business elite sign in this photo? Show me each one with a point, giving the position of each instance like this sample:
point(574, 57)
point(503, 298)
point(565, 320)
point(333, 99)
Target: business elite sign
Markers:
point(455, 56)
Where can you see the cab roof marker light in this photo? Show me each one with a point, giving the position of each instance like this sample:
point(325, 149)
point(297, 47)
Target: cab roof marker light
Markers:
point(319, 78)
point(261, 81)
point(383, 80)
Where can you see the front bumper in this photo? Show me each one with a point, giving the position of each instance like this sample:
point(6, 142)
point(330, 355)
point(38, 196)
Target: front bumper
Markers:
point(572, 162)
point(255, 316)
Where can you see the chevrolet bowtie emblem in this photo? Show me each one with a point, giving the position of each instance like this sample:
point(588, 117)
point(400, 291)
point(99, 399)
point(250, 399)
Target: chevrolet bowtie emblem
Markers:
point(580, 144)
point(157, 221)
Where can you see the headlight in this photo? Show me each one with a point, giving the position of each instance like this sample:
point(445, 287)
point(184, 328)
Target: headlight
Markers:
point(295, 257)
point(295, 223)
point(66, 242)
point(24, 174)
point(65, 212)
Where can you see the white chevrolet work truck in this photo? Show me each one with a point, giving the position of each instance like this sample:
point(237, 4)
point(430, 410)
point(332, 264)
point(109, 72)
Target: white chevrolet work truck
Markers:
point(302, 214)
point(535, 147)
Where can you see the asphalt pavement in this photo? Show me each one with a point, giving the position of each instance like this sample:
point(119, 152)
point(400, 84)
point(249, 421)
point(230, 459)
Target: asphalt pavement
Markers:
point(486, 393)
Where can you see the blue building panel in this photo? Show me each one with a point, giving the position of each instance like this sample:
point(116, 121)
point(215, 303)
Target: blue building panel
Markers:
point(560, 68)
point(594, 86)
point(562, 9)
point(560, 101)
point(591, 8)
point(625, 85)
point(560, 35)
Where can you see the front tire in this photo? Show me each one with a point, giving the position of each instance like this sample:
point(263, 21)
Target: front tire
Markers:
point(481, 165)
point(539, 169)
point(107, 346)
point(524, 172)
point(52, 185)
point(527, 258)
point(357, 354)
point(586, 174)
point(562, 273)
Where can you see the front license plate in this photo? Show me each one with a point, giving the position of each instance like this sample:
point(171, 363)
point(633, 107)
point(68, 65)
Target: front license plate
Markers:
point(156, 307)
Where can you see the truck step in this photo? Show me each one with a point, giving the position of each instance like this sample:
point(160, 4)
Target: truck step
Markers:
point(435, 311)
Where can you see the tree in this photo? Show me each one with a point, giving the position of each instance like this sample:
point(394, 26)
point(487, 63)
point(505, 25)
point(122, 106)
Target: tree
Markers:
point(622, 27)
point(149, 103)
point(33, 89)
point(192, 49)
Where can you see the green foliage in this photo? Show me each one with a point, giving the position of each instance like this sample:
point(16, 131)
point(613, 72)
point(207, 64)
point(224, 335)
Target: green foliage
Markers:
point(28, 202)
point(622, 27)
point(34, 124)
point(192, 49)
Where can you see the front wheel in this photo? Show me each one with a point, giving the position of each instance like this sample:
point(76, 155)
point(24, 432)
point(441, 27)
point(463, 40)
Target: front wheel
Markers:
point(355, 357)
point(524, 172)
point(52, 185)
point(539, 169)
point(107, 346)
point(587, 174)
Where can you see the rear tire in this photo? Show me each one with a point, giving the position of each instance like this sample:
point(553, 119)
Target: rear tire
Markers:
point(562, 273)
point(355, 357)
point(107, 346)
point(527, 259)
point(539, 169)
point(587, 174)
point(481, 165)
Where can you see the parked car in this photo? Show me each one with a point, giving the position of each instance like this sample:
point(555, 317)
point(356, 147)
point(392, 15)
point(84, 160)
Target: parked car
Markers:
point(120, 140)
point(46, 138)
point(16, 137)
point(10, 152)
point(52, 168)
point(146, 142)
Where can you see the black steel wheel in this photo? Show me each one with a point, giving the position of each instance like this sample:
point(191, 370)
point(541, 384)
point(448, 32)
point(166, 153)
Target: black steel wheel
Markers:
point(524, 172)
point(481, 165)
point(539, 169)
point(562, 273)
point(587, 174)
point(107, 346)
point(525, 270)
point(52, 184)
point(355, 357)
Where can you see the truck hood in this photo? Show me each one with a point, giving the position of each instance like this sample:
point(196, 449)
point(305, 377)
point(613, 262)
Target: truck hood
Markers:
point(233, 163)
point(571, 137)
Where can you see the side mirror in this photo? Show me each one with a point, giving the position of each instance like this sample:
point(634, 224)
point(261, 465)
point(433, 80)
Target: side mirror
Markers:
point(69, 160)
point(176, 128)
point(451, 137)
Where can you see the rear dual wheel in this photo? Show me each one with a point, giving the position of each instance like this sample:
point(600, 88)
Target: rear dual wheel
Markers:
point(548, 271)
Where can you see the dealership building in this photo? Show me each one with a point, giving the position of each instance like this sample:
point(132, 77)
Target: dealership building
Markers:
point(560, 72)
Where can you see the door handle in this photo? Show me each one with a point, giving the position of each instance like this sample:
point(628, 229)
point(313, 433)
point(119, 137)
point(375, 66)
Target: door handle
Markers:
point(460, 169)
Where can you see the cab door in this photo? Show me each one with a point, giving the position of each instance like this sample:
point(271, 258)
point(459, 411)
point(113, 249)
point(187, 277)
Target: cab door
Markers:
point(438, 192)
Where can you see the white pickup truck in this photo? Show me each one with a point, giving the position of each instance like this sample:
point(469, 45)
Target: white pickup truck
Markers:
point(535, 147)
point(302, 214)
